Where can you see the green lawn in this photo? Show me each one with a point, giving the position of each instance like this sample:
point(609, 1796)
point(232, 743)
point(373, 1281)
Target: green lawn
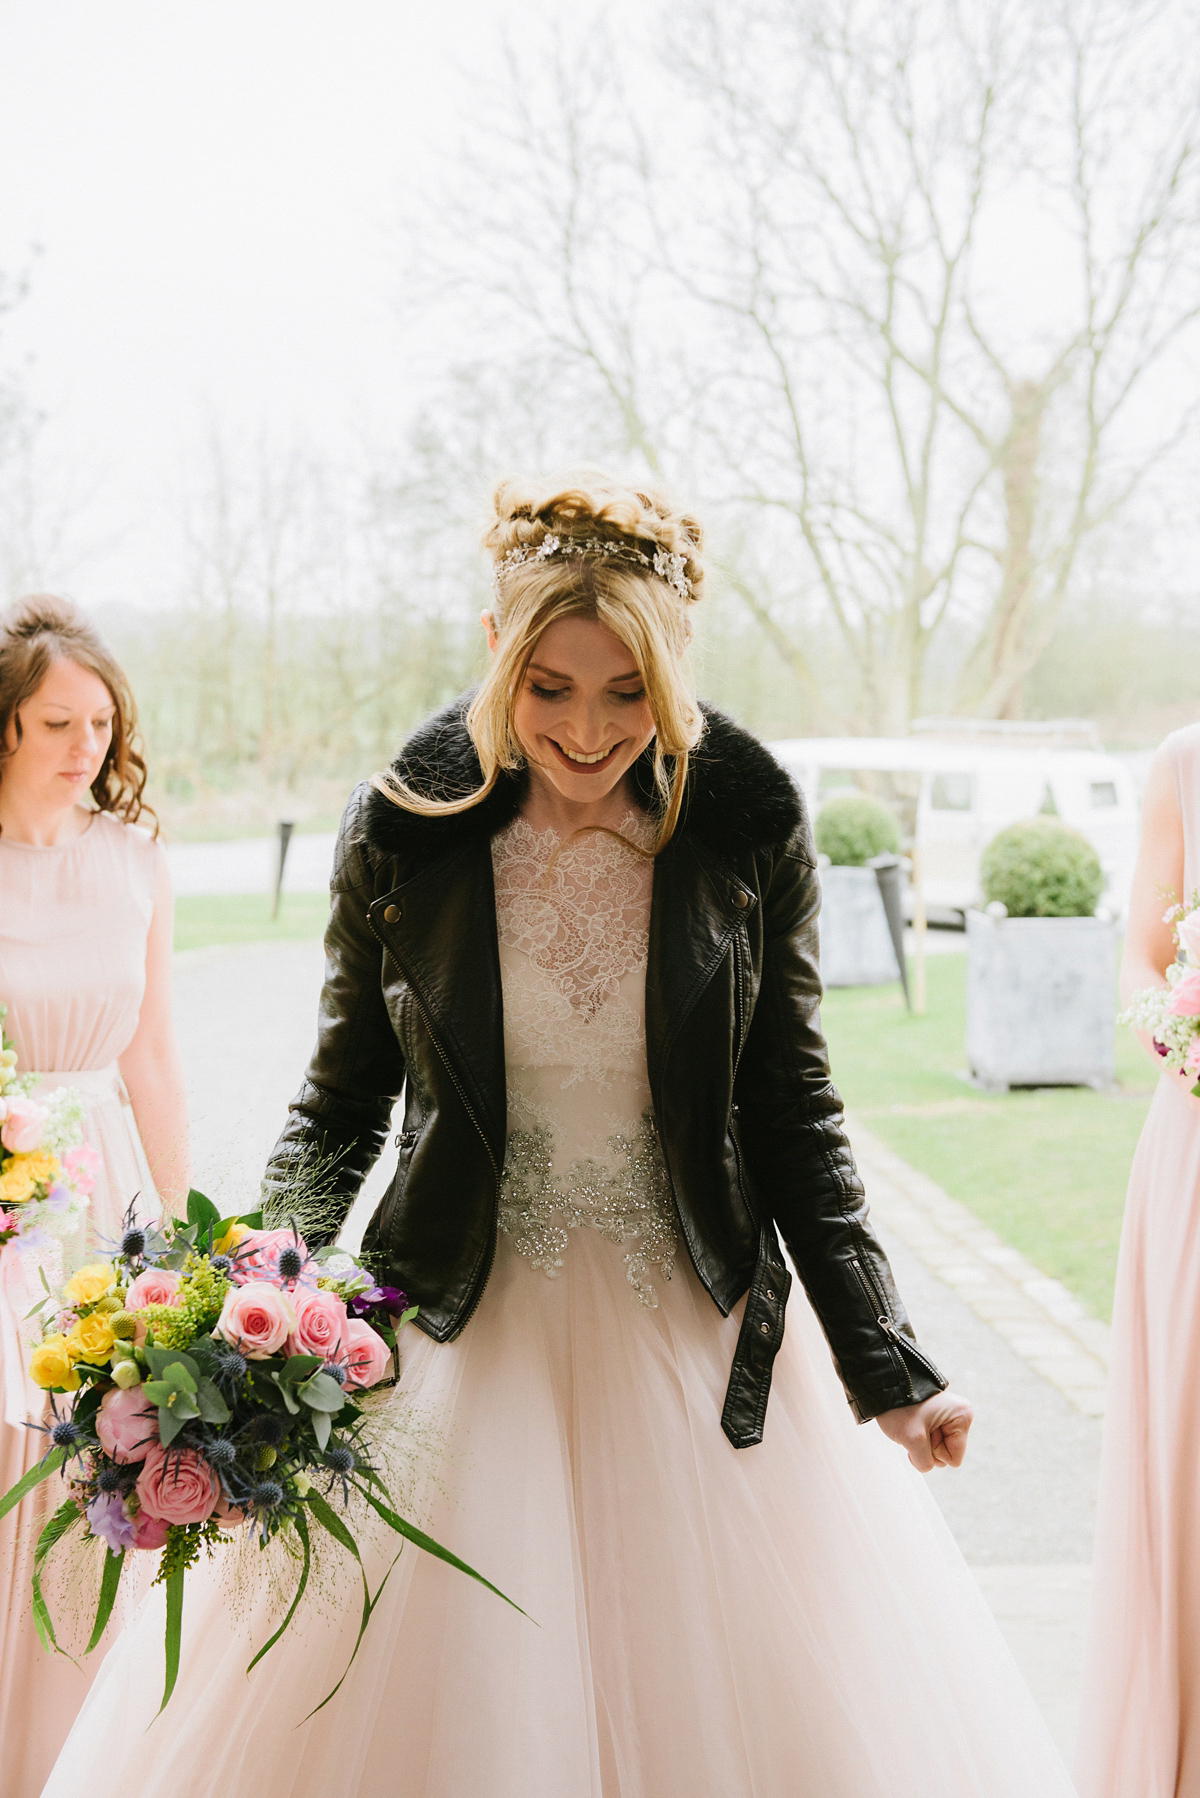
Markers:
point(246, 918)
point(1046, 1169)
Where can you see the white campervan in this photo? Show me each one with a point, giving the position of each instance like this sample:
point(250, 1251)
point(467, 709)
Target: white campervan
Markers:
point(954, 783)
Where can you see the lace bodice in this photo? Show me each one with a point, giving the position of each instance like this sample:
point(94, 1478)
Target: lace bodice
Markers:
point(573, 917)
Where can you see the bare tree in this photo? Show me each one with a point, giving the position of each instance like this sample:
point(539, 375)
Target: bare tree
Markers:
point(772, 263)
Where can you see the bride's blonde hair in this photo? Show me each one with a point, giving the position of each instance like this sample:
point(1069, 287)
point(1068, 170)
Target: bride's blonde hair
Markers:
point(625, 556)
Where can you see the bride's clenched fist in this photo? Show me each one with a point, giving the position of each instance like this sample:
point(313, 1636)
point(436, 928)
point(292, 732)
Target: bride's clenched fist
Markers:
point(934, 1432)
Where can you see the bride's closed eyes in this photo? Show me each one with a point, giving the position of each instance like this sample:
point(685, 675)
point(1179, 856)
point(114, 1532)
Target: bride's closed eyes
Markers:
point(561, 693)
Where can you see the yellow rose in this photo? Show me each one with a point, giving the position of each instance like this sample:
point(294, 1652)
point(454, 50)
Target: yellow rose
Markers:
point(93, 1338)
point(43, 1166)
point(16, 1182)
point(225, 1245)
point(52, 1365)
point(89, 1284)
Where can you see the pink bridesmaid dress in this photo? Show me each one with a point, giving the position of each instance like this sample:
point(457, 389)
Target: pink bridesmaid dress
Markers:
point(1139, 1731)
point(74, 919)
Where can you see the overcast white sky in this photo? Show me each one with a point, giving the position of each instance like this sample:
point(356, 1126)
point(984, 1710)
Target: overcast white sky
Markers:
point(212, 184)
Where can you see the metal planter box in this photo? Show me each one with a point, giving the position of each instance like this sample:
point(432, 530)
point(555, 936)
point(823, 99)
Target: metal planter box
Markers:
point(1041, 1001)
point(856, 945)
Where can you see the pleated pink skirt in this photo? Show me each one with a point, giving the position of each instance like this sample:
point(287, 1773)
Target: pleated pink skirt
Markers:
point(1139, 1730)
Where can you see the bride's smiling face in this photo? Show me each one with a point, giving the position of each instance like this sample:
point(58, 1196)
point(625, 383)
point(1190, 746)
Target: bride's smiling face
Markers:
point(582, 715)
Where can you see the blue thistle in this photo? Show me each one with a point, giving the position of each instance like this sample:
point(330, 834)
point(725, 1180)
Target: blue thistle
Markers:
point(291, 1263)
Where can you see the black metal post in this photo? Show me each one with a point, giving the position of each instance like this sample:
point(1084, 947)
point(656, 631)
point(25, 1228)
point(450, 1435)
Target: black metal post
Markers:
point(890, 875)
point(285, 836)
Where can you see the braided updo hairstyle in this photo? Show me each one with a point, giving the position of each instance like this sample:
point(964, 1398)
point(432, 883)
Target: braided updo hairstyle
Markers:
point(40, 630)
point(650, 614)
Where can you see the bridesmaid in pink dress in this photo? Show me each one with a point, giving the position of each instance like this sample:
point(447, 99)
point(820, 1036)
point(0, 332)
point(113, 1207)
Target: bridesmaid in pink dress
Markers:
point(85, 947)
point(1139, 1731)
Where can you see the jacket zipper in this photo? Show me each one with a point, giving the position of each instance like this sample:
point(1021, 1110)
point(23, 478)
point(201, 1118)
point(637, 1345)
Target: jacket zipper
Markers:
point(467, 1107)
point(906, 1347)
point(739, 993)
point(882, 1319)
point(740, 1007)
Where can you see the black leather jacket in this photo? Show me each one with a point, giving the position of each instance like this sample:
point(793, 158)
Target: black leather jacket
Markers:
point(750, 1123)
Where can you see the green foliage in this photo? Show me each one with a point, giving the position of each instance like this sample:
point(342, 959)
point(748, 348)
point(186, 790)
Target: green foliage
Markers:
point(852, 829)
point(183, 1545)
point(1042, 869)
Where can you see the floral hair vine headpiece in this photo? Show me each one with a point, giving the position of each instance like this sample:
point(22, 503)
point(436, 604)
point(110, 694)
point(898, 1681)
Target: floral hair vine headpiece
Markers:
point(667, 564)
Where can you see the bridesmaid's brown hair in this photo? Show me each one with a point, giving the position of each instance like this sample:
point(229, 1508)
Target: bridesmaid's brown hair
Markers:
point(39, 630)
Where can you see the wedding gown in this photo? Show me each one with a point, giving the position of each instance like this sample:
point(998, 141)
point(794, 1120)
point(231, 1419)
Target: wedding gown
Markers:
point(791, 1619)
point(74, 918)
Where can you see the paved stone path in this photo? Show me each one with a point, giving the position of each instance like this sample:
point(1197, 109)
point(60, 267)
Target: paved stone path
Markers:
point(1014, 1342)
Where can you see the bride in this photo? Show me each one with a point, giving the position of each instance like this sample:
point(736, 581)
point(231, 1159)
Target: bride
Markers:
point(576, 925)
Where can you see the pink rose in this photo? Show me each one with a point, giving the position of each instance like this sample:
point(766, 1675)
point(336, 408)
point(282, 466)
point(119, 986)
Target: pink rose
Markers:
point(127, 1424)
point(154, 1286)
point(367, 1356)
point(321, 1325)
point(22, 1129)
point(1189, 936)
point(257, 1319)
point(149, 1532)
point(1185, 996)
point(177, 1485)
point(81, 1164)
point(256, 1257)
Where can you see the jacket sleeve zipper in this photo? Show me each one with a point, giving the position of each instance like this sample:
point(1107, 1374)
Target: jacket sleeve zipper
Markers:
point(467, 1107)
point(884, 1322)
point(888, 1326)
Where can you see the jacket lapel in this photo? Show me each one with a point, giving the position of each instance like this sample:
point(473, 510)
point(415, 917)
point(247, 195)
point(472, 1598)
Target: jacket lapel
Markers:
point(693, 916)
point(440, 929)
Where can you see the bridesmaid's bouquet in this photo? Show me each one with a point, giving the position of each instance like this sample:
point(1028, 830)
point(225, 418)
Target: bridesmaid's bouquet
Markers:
point(212, 1375)
point(1171, 1013)
point(47, 1171)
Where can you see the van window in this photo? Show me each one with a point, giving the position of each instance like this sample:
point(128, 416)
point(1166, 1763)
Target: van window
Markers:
point(953, 792)
point(1104, 792)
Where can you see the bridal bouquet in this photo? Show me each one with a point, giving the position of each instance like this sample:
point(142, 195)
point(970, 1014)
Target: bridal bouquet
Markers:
point(46, 1169)
point(212, 1374)
point(1171, 1013)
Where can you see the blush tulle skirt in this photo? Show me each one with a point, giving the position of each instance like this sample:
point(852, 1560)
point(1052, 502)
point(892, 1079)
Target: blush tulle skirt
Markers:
point(785, 1620)
point(1139, 1729)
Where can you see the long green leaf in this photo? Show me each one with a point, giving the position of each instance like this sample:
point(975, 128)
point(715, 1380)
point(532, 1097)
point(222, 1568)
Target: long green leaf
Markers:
point(174, 1635)
point(329, 1520)
point(369, 1604)
point(108, 1594)
point(413, 1534)
point(45, 1467)
point(302, 1532)
point(65, 1518)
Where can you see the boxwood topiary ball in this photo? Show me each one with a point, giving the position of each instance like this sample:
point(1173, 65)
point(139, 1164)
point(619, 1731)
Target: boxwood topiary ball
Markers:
point(852, 829)
point(1042, 869)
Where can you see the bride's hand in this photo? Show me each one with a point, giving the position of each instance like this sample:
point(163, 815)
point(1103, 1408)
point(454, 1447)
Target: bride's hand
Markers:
point(933, 1432)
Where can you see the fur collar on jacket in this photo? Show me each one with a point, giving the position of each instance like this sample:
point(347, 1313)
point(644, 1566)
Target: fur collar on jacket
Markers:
point(738, 797)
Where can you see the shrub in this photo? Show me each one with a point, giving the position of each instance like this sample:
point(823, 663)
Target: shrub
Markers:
point(1042, 869)
point(852, 829)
